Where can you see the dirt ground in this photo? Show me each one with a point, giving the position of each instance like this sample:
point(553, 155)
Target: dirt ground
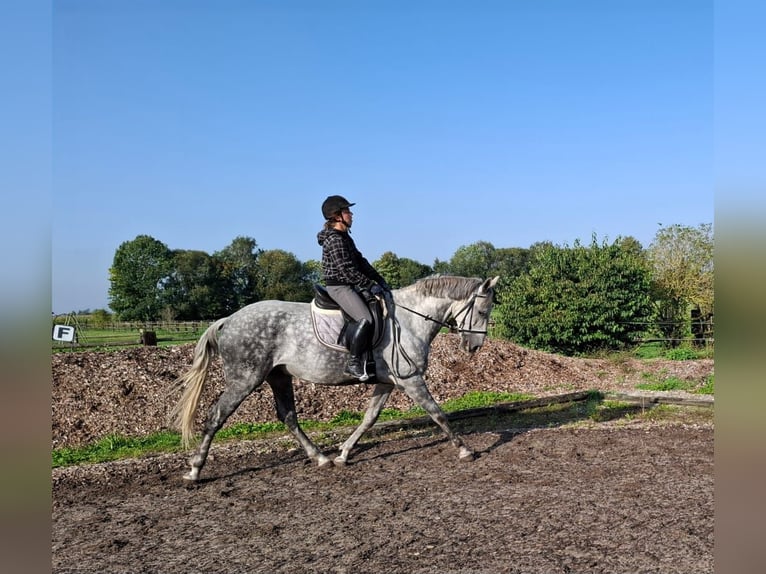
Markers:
point(611, 497)
point(537, 501)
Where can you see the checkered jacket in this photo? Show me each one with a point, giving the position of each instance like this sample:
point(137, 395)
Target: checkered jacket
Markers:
point(343, 264)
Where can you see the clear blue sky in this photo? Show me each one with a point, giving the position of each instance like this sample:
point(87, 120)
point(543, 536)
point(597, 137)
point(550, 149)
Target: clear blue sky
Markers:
point(447, 122)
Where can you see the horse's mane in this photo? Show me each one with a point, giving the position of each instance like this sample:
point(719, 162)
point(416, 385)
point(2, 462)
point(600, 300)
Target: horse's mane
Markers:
point(446, 286)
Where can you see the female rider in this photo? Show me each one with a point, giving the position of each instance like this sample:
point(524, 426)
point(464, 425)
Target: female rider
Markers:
point(346, 272)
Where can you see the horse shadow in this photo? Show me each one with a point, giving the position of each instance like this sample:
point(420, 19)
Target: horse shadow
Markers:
point(507, 422)
point(363, 453)
point(517, 422)
point(285, 459)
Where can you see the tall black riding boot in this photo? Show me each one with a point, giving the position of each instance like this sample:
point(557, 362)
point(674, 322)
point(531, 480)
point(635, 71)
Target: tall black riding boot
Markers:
point(359, 337)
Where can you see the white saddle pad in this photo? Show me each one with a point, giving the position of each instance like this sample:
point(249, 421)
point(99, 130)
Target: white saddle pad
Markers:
point(327, 324)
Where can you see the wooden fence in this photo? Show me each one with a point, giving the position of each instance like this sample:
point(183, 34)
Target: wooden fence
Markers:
point(92, 333)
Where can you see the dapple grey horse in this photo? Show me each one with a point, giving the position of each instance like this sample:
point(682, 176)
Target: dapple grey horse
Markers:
point(273, 341)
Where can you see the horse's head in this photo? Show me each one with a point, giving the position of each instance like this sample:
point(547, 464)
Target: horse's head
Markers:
point(472, 317)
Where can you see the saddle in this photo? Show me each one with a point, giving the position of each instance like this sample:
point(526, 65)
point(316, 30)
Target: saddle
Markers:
point(330, 322)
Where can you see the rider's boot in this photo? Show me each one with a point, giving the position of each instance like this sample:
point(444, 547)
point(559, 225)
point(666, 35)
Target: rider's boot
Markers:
point(359, 342)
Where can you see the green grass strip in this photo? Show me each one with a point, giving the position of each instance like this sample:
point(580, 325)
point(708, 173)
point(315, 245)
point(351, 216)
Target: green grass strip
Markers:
point(115, 447)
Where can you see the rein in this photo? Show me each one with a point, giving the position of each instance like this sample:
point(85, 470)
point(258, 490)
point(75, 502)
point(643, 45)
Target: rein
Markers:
point(398, 351)
point(451, 327)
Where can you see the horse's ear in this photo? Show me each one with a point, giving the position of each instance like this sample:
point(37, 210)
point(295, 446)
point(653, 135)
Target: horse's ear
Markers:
point(489, 284)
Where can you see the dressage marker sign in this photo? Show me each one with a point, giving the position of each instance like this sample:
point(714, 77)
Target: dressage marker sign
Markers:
point(63, 333)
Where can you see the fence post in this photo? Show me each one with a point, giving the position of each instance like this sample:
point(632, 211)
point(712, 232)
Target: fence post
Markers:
point(148, 338)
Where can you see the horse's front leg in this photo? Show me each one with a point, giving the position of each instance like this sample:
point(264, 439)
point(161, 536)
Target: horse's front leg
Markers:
point(416, 389)
point(380, 395)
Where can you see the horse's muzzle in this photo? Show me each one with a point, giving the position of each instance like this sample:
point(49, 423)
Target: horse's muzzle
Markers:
point(470, 345)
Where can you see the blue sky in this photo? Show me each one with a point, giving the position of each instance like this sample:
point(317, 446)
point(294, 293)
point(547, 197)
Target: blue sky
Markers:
point(447, 122)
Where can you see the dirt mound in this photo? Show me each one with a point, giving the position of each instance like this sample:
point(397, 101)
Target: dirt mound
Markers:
point(130, 392)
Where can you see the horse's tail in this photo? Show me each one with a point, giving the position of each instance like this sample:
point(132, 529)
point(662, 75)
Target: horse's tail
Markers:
point(192, 381)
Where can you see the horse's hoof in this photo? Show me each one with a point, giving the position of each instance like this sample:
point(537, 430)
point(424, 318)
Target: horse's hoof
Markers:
point(192, 476)
point(339, 461)
point(323, 462)
point(466, 455)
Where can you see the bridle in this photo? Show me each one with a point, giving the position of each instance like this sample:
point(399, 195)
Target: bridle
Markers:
point(467, 308)
point(398, 351)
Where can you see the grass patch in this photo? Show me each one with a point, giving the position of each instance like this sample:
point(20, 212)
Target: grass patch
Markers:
point(676, 414)
point(708, 387)
point(649, 351)
point(669, 384)
point(658, 383)
point(685, 354)
point(248, 430)
point(549, 416)
point(116, 447)
point(478, 399)
point(658, 350)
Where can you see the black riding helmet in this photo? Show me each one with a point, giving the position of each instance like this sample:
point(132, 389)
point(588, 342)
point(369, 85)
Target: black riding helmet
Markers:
point(333, 205)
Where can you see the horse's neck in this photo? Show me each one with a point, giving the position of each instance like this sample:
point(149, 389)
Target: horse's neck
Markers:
point(434, 308)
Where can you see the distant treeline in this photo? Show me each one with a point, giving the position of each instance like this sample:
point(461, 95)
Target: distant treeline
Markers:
point(568, 299)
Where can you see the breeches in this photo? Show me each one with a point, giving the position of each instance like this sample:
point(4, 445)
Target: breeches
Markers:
point(350, 301)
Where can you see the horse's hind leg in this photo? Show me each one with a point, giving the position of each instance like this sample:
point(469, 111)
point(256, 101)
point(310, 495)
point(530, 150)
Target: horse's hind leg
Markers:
point(379, 397)
point(282, 385)
point(237, 390)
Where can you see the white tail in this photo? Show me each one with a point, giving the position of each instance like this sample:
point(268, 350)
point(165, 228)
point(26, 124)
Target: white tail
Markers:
point(192, 381)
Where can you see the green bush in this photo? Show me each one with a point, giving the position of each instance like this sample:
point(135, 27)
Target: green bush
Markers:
point(578, 300)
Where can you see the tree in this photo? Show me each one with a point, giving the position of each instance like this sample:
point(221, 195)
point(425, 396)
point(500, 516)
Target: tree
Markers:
point(312, 271)
point(137, 276)
point(441, 267)
point(283, 277)
point(411, 270)
point(474, 260)
point(389, 267)
point(482, 259)
point(400, 271)
point(101, 318)
point(681, 258)
point(193, 290)
point(510, 262)
point(239, 273)
point(631, 245)
point(578, 299)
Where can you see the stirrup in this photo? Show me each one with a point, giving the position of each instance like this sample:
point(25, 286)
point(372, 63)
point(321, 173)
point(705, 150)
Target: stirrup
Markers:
point(360, 372)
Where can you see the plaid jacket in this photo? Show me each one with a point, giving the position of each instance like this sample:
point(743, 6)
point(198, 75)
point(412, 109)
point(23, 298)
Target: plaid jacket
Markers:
point(343, 264)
